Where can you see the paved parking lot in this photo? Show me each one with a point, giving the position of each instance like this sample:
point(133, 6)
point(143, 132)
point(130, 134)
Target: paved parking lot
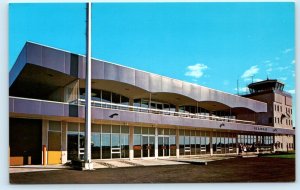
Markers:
point(260, 169)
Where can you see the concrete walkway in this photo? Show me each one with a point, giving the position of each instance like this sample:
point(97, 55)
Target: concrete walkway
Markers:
point(36, 168)
point(99, 164)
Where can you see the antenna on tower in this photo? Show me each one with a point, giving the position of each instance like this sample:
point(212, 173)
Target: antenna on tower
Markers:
point(237, 86)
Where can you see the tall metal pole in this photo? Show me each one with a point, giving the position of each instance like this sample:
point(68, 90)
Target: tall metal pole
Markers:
point(87, 147)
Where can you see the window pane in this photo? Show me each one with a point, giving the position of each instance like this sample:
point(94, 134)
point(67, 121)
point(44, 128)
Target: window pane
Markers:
point(106, 151)
point(172, 131)
point(144, 130)
point(115, 98)
point(151, 131)
point(54, 126)
point(137, 102)
point(106, 129)
point(82, 127)
point(73, 127)
point(106, 96)
point(137, 130)
point(124, 100)
point(96, 128)
point(116, 129)
point(124, 129)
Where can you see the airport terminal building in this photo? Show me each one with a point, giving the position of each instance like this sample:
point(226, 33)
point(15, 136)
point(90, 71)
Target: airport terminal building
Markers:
point(135, 114)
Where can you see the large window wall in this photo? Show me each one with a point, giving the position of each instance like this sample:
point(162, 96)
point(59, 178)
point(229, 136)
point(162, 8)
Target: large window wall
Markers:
point(223, 143)
point(107, 141)
point(144, 142)
point(193, 142)
point(166, 142)
point(251, 142)
point(107, 97)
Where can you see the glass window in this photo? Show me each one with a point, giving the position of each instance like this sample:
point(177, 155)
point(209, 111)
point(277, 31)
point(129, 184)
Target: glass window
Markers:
point(166, 131)
point(115, 98)
point(144, 130)
point(137, 102)
point(145, 103)
point(124, 129)
point(54, 126)
point(106, 149)
point(82, 127)
point(172, 131)
point(172, 107)
point(73, 127)
point(116, 129)
point(137, 130)
point(96, 95)
point(124, 100)
point(96, 128)
point(159, 106)
point(106, 129)
point(166, 107)
point(151, 131)
point(181, 132)
point(106, 96)
point(160, 131)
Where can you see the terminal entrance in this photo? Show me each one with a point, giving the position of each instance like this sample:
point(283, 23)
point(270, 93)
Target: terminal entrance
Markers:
point(164, 146)
point(148, 146)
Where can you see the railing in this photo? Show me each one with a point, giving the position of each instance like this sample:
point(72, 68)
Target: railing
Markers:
point(107, 105)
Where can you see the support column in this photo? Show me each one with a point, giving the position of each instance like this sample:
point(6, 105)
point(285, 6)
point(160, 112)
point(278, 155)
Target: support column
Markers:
point(156, 143)
point(210, 144)
point(64, 143)
point(177, 143)
point(45, 125)
point(237, 144)
point(131, 153)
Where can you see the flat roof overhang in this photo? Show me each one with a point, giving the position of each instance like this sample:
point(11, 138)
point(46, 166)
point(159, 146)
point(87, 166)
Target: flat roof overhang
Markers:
point(63, 111)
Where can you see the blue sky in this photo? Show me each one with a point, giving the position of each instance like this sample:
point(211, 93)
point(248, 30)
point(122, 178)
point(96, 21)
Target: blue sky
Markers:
point(211, 44)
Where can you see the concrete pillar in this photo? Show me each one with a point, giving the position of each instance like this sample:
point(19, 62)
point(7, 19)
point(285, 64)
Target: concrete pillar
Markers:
point(237, 144)
point(177, 143)
point(156, 143)
point(131, 153)
point(177, 108)
point(64, 143)
point(210, 143)
point(130, 101)
point(45, 125)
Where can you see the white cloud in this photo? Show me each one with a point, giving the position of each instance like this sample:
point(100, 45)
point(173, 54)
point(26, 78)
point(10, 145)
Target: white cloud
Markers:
point(287, 50)
point(282, 78)
point(269, 70)
point(267, 61)
point(282, 68)
point(196, 70)
point(258, 80)
point(250, 72)
point(242, 89)
point(291, 91)
point(293, 62)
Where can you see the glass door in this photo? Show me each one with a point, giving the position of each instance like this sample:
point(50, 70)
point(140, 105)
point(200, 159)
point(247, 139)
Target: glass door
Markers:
point(148, 146)
point(145, 146)
point(166, 146)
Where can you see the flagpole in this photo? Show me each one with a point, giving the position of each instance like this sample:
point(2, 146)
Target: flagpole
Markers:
point(87, 147)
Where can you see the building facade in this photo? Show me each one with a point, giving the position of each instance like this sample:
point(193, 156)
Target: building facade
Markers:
point(135, 114)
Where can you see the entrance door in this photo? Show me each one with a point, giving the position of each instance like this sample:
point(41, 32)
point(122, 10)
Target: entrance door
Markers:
point(148, 146)
point(164, 146)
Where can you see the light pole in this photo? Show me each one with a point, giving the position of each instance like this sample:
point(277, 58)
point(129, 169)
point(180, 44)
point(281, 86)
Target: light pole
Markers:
point(88, 165)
